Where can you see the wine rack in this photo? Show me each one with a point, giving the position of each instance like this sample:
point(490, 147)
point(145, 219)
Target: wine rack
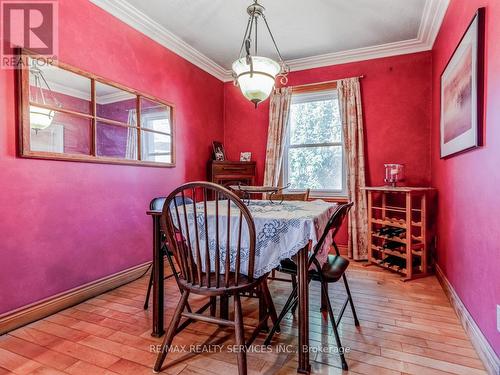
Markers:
point(398, 229)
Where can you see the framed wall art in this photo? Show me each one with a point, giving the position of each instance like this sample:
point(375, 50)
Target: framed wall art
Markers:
point(462, 87)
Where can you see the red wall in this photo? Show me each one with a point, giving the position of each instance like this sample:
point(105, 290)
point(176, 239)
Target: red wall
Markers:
point(63, 224)
point(469, 203)
point(396, 94)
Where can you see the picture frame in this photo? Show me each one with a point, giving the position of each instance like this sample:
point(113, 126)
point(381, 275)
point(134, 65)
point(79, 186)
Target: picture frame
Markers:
point(245, 156)
point(462, 91)
point(218, 151)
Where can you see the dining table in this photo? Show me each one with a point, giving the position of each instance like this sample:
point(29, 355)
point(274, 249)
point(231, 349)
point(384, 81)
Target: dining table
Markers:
point(288, 229)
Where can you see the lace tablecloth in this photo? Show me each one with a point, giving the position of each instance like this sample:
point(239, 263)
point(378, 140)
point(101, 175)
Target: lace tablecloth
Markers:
point(281, 231)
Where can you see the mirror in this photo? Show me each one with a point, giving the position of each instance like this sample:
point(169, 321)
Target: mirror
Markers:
point(63, 118)
point(52, 90)
point(50, 86)
point(116, 141)
point(156, 147)
point(156, 131)
point(115, 104)
point(155, 116)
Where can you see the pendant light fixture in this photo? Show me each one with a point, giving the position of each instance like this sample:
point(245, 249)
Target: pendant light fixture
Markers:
point(256, 75)
point(40, 117)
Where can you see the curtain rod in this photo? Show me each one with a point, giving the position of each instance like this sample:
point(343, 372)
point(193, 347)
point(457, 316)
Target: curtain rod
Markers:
point(324, 82)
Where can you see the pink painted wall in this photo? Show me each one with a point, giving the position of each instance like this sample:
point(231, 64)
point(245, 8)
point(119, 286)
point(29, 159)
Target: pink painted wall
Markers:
point(469, 203)
point(396, 94)
point(63, 224)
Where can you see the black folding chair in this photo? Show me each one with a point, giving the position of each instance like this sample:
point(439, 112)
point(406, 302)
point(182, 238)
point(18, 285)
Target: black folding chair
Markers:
point(330, 272)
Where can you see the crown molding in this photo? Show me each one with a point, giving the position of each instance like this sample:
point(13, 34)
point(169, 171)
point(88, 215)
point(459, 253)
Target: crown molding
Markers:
point(70, 91)
point(144, 24)
point(85, 95)
point(358, 54)
point(432, 18)
point(114, 97)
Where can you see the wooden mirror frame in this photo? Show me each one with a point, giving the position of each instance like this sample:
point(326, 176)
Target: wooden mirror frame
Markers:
point(24, 127)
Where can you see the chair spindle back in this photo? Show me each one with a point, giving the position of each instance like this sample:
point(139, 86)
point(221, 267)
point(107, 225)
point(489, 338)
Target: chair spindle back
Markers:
point(194, 217)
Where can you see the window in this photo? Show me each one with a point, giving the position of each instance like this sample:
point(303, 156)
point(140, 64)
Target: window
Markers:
point(314, 149)
point(157, 140)
point(68, 114)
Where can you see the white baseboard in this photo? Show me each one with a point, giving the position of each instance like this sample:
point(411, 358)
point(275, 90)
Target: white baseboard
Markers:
point(482, 346)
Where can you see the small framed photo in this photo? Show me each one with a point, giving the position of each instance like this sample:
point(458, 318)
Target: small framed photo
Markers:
point(462, 90)
point(245, 156)
point(218, 152)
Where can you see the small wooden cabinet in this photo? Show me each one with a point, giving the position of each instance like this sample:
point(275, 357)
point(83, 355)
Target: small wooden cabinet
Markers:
point(227, 173)
point(399, 231)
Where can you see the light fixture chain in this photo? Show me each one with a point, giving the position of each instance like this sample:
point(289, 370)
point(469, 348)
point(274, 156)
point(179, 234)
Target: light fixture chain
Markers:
point(272, 38)
point(249, 36)
point(256, 34)
point(38, 85)
point(56, 102)
point(245, 36)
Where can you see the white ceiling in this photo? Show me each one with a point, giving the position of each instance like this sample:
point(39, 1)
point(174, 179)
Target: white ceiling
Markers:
point(309, 33)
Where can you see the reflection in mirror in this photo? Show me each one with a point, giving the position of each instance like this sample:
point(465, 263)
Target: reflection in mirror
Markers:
point(155, 116)
point(156, 147)
point(115, 104)
point(116, 141)
point(54, 88)
point(68, 114)
point(67, 134)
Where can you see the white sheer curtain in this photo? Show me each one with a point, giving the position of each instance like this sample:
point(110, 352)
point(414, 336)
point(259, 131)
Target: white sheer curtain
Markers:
point(349, 92)
point(279, 110)
point(131, 151)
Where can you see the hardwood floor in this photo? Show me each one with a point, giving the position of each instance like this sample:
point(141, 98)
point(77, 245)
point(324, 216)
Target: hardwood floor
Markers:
point(406, 328)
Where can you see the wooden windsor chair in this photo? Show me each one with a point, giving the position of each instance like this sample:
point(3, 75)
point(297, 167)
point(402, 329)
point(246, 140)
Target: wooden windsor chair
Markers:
point(291, 196)
point(210, 264)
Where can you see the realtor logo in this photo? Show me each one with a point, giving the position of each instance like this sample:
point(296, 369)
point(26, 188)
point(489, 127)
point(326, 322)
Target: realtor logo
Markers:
point(31, 25)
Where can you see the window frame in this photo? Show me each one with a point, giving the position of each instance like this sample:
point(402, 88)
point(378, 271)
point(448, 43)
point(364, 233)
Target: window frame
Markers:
point(153, 117)
point(303, 94)
point(24, 128)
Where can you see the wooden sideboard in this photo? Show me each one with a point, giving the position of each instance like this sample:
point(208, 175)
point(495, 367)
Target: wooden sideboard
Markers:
point(227, 173)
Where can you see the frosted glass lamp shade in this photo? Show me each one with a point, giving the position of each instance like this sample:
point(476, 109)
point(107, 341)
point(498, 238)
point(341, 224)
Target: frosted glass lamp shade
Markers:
point(256, 85)
point(40, 118)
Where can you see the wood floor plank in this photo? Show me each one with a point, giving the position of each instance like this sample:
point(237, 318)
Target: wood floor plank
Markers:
point(118, 350)
point(84, 368)
point(126, 367)
point(46, 371)
point(16, 363)
point(37, 353)
point(72, 349)
point(444, 347)
point(58, 330)
point(406, 328)
point(432, 363)
point(444, 356)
